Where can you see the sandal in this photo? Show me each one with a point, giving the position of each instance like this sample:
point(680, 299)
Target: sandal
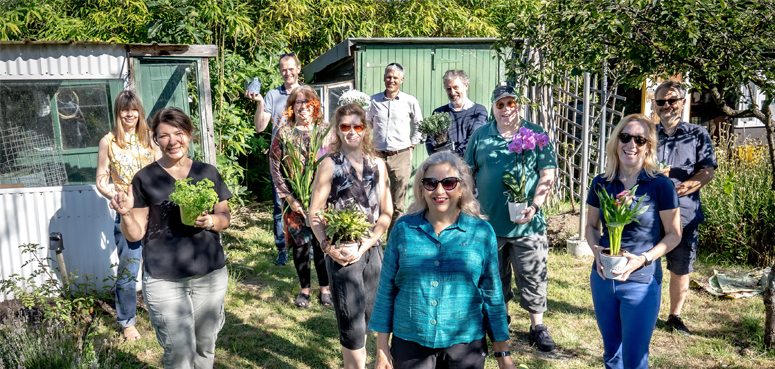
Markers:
point(326, 299)
point(131, 334)
point(302, 300)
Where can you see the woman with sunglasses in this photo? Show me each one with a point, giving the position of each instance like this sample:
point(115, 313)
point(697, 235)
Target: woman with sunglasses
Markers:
point(353, 176)
point(440, 290)
point(627, 307)
point(302, 111)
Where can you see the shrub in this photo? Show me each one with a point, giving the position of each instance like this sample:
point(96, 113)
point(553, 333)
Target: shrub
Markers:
point(345, 225)
point(739, 208)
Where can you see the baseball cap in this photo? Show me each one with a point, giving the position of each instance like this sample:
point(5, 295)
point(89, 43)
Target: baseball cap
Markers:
point(503, 91)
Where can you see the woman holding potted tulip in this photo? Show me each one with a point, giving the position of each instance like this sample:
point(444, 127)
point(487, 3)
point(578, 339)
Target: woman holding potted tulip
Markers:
point(353, 177)
point(636, 206)
point(440, 290)
point(293, 161)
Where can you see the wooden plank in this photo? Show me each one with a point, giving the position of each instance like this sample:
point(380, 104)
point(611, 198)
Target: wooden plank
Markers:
point(207, 100)
point(188, 51)
point(12, 185)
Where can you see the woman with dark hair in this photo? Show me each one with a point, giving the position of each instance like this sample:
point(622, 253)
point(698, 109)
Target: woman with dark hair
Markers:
point(184, 269)
point(122, 152)
point(302, 112)
point(440, 290)
point(627, 307)
point(353, 176)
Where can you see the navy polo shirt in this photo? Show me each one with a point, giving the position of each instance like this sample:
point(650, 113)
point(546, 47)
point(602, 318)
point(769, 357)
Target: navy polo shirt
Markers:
point(687, 151)
point(638, 238)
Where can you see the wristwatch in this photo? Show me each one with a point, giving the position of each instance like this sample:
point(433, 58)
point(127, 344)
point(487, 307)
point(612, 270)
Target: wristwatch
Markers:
point(648, 258)
point(211, 224)
point(536, 207)
point(501, 353)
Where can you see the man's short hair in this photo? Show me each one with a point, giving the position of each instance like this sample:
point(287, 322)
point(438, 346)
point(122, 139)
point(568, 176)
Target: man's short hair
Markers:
point(451, 74)
point(394, 66)
point(672, 85)
point(288, 55)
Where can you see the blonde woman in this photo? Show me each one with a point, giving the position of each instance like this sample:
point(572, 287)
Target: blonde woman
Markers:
point(122, 152)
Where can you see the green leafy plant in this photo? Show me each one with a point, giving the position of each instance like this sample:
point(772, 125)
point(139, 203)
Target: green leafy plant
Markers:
point(193, 199)
point(618, 213)
point(346, 225)
point(516, 188)
point(437, 125)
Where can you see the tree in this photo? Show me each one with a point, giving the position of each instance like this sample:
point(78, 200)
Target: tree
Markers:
point(722, 44)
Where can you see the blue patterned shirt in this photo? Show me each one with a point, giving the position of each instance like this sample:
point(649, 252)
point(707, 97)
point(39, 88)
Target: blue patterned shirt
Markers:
point(440, 291)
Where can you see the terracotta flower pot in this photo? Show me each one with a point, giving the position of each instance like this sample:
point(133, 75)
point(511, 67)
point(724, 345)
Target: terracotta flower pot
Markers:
point(615, 263)
point(515, 210)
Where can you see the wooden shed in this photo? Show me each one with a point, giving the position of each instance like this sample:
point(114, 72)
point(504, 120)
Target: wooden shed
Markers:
point(360, 63)
point(56, 103)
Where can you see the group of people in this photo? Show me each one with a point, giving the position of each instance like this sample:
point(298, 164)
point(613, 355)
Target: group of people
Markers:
point(442, 282)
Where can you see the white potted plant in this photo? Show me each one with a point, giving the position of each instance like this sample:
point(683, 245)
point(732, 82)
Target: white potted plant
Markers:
point(437, 126)
point(523, 141)
point(355, 97)
point(618, 212)
point(345, 228)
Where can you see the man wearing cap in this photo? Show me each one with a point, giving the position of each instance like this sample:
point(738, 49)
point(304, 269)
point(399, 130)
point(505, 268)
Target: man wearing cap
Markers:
point(466, 115)
point(395, 117)
point(521, 244)
point(688, 150)
point(270, 109)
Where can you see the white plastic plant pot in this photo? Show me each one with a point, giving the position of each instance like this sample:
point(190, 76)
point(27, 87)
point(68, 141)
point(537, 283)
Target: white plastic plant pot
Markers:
point(347, 249)
point(515, 210)
point(613, 264)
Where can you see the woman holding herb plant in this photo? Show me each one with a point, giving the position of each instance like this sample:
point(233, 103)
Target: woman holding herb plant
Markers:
point(294, 156)
point(184, 269)
point(351, 185)
point(122, 152)
point(636, 205)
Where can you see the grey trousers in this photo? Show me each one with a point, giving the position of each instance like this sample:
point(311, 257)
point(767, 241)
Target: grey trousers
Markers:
point(528, 256)
point(399, 168)
point(187, 315)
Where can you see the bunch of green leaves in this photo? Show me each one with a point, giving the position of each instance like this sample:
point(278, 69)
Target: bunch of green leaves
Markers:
point(346, 225)
point(619, 212)
point(300, 162)
point(200, 196)
point(437, 125)
point(516, 188)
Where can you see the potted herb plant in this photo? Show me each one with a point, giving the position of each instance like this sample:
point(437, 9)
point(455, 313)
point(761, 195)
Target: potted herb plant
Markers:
point(618, 212)
point(437, 126)
point(523, 141)
point(345, 228)
point(193, 199)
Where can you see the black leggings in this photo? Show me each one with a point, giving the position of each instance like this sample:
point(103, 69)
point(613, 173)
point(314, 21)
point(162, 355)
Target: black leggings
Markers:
point(301, 262)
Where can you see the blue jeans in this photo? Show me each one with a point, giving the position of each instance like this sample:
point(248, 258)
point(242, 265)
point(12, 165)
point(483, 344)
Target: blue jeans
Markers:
point(187, 315)
point(277, 214)
point(626, 314)
point(129, 255)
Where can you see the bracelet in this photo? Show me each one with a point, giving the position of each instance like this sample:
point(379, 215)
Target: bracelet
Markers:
point(501, 353)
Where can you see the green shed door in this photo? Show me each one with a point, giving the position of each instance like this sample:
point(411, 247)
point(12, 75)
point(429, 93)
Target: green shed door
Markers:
point(162, 84)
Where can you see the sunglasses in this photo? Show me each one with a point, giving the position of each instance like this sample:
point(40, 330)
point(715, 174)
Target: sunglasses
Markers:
point(400, 67)
point(448, 183)
point(669, 101)
point(626, 137)
point(286, 55)
point(358, 128)
point(511, 104)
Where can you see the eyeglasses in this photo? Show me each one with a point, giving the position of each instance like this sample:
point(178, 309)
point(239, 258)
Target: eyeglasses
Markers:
point(358, 128)
point(626, 137)
point(669, 101)
point(300, 102)
point(448, 183)
point(396, 65)
point(511, 104)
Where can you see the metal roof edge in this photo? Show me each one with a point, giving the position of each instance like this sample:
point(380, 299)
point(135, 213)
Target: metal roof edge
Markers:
point(334, 54)
point(140, 48)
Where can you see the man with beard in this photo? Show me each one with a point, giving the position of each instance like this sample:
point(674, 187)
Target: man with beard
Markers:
point(466, 115)
point(688, 151)
point(270, 110)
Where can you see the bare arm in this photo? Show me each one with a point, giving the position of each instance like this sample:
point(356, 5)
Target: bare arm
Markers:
point(261, 118)
point(133, 220)
point(384, 359)
point(699, 180)
point(103, 170)
point(592, 234)
point(545, 183)
point(671, 221)
point(220, 218)
point(503, 362)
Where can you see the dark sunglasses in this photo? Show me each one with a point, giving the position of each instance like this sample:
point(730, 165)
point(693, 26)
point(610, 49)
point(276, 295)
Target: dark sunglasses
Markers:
point(669, 101)
point(401, 67)
point(639, 140)
point(510, 104)
point(286, 55)
point(448, 183)
point(358, 128)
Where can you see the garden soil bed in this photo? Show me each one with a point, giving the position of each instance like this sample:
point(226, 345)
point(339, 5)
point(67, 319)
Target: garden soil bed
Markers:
point(560, 227)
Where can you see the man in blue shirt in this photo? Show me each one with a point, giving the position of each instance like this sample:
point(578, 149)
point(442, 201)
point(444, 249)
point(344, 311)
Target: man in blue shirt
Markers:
point(688, 150)
point(270, 109)
point(466, 115)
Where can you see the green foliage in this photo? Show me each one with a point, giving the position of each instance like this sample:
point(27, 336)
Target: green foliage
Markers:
point(739, 210)
point(516, 188)
point(437, 125)
point(346, 225)
point(194, 199)
point(618, 212)
point(301, 161)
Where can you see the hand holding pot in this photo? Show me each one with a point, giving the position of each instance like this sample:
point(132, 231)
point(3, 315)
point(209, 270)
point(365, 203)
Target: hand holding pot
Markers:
point(528, 213)
point(123, 202)
point(337, 255)
point(596, 250)
point(203, 220)
point(633, 262)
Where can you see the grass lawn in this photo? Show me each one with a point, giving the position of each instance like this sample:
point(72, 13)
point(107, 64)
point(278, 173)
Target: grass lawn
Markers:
point(265, 330)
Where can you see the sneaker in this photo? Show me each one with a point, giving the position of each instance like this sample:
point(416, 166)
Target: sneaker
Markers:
point(282, 258)
point(542, 338)
point(677, 324)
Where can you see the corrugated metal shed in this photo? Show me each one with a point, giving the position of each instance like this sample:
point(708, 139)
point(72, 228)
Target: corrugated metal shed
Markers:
point(19, 61)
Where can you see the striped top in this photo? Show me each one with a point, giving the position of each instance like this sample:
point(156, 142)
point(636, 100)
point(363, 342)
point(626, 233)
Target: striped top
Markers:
point(440, 291)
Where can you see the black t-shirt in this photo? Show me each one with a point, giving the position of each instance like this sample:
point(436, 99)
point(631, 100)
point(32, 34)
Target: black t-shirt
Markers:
point(171, 249)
